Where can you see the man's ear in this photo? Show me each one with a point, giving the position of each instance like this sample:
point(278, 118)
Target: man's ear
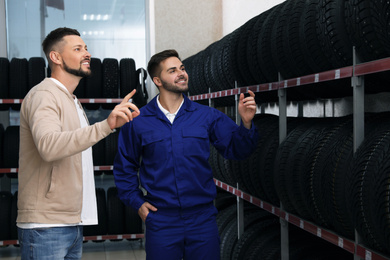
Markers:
point(55, 57)
point(157, 81)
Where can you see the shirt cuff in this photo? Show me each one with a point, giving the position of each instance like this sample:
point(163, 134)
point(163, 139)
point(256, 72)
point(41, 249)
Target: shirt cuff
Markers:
point(244, 131)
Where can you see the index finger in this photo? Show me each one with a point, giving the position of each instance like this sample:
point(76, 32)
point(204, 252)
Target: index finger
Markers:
point(251, 93)
point(128, 96)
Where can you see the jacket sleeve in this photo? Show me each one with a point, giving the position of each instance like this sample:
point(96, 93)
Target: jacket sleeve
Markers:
point(126, 166)
point(232, 141)
point(52, 142)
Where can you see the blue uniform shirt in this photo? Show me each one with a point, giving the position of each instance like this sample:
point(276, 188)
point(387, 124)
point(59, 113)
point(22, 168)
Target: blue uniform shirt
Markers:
point(172, 159)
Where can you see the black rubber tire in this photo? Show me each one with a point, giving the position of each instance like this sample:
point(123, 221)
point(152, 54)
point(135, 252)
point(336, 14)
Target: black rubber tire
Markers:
point(314, 57)
point(245, 36)
point(14, 214)
point(280, 39)
point(367, 25)
point(299, 163)
point(11, 149)
point(264, 45)
point(80, 90)
point(230, 234)
point(5, 214)
point(224, 199)
point(111, 147)
point(254, 166)
point(133, 222)
point(98, 153)
point(94, 83)
point(36, 71)
point(281, 169)
point(18, 81)
point(369, 165)
point(251, 49)
point(253, 236)
point(4, 78)
point(110, 85)
point(115, 213)
point(128, 77)
point(101, 228)
point(329, 181)
point(332, 33)
point(1, 148)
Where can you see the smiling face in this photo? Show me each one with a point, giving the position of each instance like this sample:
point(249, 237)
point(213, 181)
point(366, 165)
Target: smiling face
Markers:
point(173, 76)
point(75, 56)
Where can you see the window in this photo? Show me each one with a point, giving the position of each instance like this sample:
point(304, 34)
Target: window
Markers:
point(111, 29)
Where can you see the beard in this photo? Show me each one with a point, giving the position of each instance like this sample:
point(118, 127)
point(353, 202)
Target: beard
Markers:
point(174, 88)
point(79, 72)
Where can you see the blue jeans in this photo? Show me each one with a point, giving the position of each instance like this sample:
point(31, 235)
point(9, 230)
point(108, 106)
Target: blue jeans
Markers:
point(51, 243)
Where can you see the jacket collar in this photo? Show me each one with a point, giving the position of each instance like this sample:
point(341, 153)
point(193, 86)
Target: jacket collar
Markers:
point(152, 109)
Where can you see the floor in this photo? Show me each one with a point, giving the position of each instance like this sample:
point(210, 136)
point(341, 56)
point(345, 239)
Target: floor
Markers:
point(107, 250)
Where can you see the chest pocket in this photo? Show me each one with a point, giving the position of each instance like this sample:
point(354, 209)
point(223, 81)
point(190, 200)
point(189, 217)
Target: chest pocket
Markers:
point(195, 141)
point(154, 144)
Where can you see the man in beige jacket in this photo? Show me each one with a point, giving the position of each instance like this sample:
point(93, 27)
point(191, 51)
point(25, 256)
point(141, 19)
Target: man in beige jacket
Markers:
point(56, 194)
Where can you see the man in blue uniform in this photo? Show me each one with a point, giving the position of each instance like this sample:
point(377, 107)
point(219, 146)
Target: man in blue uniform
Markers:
point(169, 144)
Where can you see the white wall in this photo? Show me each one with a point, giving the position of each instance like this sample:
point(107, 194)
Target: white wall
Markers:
point(236, 12)
point(190, 26)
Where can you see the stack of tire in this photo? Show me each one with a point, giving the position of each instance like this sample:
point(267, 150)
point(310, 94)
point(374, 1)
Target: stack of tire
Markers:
point(109, 79)
point(315, 174)
point(261, 237)
point(103, 152)
point(296, 38)
point(113, 216)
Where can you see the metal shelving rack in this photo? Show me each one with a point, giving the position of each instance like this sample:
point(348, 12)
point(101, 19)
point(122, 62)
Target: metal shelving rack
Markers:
point(356, 72)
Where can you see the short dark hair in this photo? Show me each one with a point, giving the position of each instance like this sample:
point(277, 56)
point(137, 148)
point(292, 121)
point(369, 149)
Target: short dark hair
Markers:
point(154, 63)
point(55, 37)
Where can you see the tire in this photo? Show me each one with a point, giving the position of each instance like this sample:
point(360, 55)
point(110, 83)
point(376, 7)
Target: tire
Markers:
point(281, 169)
point(230, 234)
point(253, 236)
point(251, 49)
point(133, 222)
point(264, 46)
point(36, 71)
point(14, 214)
point(332, 33)
point(5, 214)
point(368, 195)
point(11, 149)
point(101, 228)
point(128, 77)
point(111, 148)
point(18, 82)
point(1, 148)
point(80, 90)
point(330, 181)
point(4, 78)
point(115, 213)
point(299, 186)
point(110, 86)
point(280, 39)
point(367, 25)
point(98, 153)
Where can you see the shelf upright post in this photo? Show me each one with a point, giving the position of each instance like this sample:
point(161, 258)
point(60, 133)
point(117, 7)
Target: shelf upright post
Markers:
point(357, 83)
point(211, 101)
point(240, 202)
point(282, 135)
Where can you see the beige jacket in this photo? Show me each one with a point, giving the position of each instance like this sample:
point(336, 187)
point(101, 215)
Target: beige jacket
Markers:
point(51, 142)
